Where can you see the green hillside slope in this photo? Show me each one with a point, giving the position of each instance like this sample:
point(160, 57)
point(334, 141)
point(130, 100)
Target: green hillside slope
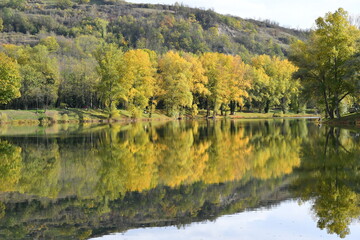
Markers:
point(156, 27)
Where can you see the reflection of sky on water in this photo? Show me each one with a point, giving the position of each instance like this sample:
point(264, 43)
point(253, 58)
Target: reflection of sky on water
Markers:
point(284, 222)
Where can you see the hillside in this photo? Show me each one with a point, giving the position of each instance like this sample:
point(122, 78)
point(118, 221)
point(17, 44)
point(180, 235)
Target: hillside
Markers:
point(156, 27)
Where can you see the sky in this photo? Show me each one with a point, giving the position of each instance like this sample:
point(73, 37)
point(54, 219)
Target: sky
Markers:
point(271, 224)
point(288, 13)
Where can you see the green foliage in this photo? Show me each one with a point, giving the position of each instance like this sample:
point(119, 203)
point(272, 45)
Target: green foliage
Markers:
point(112, 86)
point(16, 4)
point(79, 80)
point(50, 43)
point(274, 83)
point(40, 75)
point(9, 79)
point(175, 75)
point(63, 4)
point(324, 60)
point(1, 25)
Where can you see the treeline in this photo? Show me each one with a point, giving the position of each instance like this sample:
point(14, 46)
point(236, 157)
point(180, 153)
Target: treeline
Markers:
point(142, 56)
point(138, 80)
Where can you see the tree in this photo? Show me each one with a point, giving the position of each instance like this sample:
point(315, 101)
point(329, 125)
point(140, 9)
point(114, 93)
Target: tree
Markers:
point(112, 86)
point(198, 80)
point(43, 70)
point(322, 60)
point(217, 67)
point(273, 82)
point(78, 82)
point(50, 43)
point(176, 76)
point(239, 83)
point(9, 79)
point(140, 74)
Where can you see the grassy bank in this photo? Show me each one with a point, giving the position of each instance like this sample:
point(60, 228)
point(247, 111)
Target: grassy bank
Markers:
point(37, 117)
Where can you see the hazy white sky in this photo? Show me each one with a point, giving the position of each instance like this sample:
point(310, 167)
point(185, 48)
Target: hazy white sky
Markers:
point(289, 13)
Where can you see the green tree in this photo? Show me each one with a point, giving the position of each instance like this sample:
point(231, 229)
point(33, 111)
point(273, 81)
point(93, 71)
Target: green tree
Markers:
point(176, 76)
point(322, 60)
point(112, 86)
point(9, 79)
point(50, 43)
point(273, 82)
point(78, 82)
point(44, 75)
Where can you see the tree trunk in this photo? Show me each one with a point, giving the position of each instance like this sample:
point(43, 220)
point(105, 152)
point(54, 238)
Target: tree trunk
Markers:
point(150, 108)
point(207, 108)
point(232, 107)
point(328, 110)
point(267, 106)
point(338, 115)
point(331, 113)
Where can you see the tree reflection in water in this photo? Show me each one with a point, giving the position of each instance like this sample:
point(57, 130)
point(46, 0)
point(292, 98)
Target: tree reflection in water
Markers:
point(111, 178)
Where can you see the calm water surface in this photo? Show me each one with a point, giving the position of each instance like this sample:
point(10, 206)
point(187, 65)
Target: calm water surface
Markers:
point(268, 179)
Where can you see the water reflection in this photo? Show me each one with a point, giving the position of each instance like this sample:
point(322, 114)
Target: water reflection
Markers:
point(105, 179)
point(329, 175)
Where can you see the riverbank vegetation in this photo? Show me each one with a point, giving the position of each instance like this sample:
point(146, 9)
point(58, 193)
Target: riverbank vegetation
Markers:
point(190, 64)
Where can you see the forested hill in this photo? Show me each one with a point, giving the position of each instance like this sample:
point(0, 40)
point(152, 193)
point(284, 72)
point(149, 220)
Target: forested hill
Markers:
point(156, 27)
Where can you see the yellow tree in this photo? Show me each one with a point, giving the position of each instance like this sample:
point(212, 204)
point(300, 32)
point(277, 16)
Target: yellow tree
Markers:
point(217, 67)
point(140, 73)
point(198, 80)
point(286, 86)
point(239, 83)
point(175, 76)
point(9, 79)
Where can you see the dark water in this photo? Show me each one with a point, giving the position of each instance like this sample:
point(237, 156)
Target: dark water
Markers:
point(284, 179)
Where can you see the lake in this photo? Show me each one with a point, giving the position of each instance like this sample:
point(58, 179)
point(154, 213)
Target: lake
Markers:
point(228, 179)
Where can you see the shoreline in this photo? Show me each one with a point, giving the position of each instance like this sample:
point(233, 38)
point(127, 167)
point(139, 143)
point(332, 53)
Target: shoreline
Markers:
point(348, 120)
point(91, 116)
